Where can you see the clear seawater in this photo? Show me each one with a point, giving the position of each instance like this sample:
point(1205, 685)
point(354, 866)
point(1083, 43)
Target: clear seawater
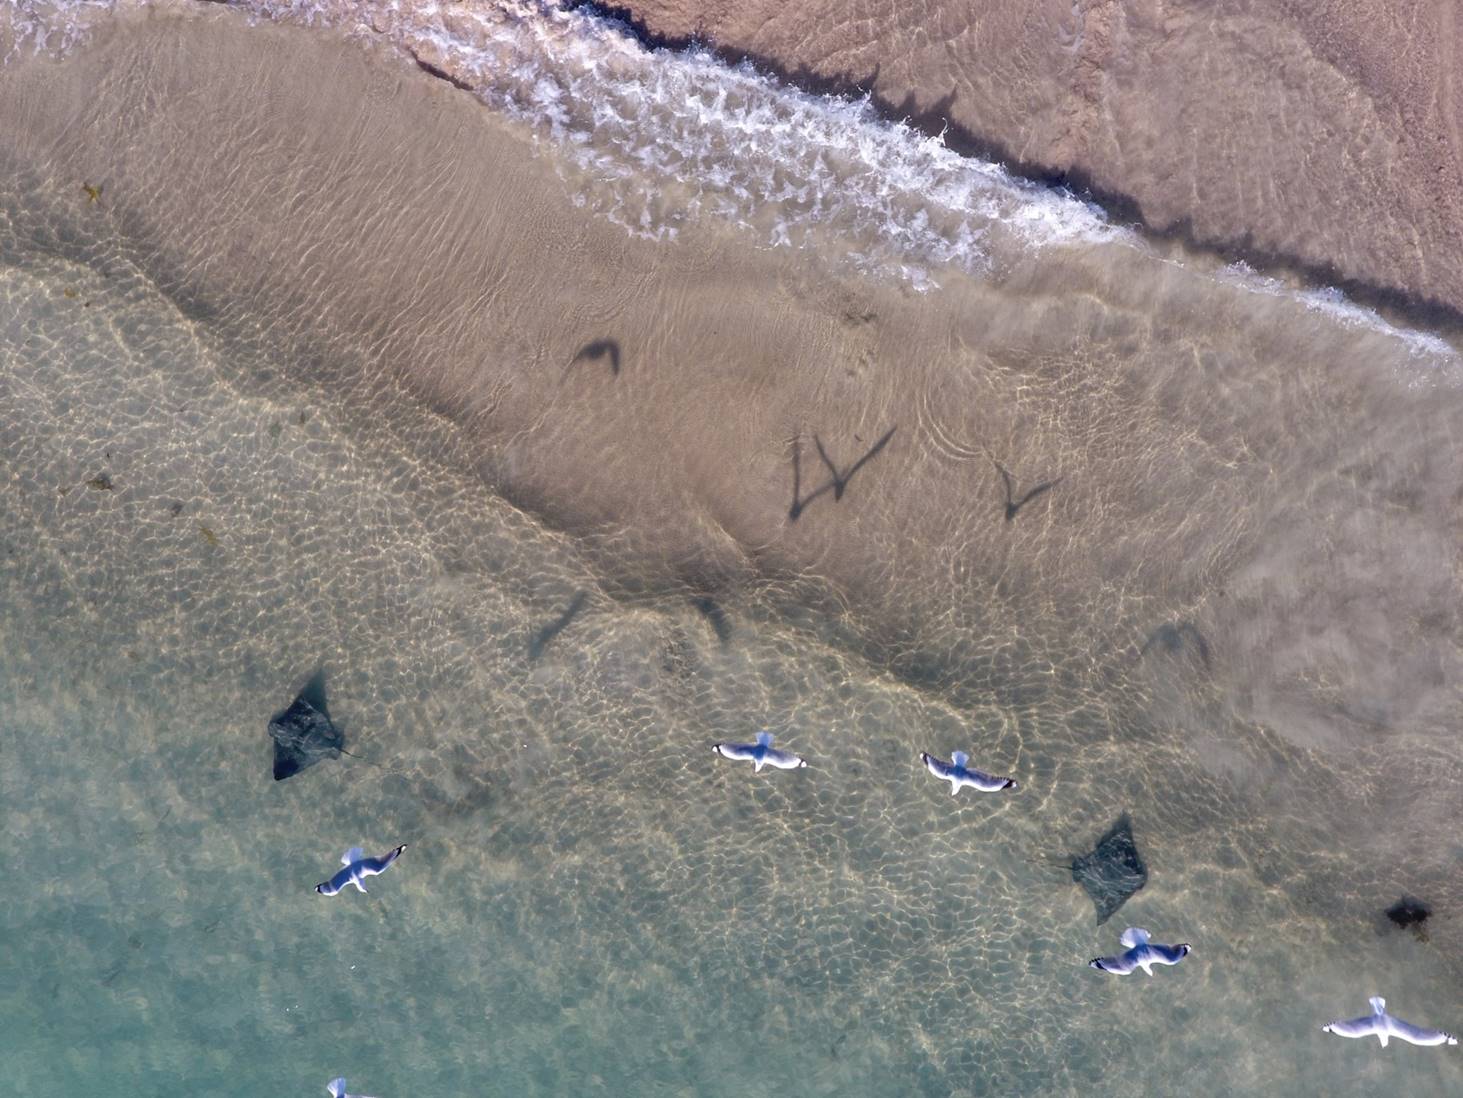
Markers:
point(591, 902)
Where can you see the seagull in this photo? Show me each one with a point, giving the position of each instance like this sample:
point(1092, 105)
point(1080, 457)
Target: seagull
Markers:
point(1381, 1025)
point(957, 774)
point(1141, 954)
point(760, 754)
point(337, 1089)
point(357, 868)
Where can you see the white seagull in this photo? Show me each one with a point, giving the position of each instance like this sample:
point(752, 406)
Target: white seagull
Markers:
point(760, 754)
point(337, 1089)
point(357, 868)
point(1382, 1025)
point(957, 774)
point(1141, 954)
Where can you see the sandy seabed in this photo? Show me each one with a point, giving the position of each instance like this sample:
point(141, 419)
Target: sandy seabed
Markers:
point(372, 390)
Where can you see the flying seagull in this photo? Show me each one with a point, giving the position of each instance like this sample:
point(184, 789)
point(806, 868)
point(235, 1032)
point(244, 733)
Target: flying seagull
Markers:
point(1141, 953)
point(957, 774)
point(337, 1089)
point(760, 754)
point(1381, 1025)
point(357, 868)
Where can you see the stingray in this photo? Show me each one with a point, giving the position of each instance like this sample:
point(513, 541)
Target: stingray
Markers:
point(304, 734)
point(1113, 871)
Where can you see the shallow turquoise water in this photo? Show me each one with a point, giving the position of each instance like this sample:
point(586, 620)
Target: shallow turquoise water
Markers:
point(591, 902)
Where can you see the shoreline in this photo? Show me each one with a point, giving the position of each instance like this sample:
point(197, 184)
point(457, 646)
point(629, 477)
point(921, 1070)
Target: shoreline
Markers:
point(1407, 304)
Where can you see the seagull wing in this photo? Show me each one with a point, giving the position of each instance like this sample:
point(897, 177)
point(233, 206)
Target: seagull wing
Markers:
point(987, 783)
point(336, 1087)
point(1356, 1027)
point(335, 884)
point(743, 752)
point(1417, 1035)
point(1167, 955)
point(370, 867)
point(1120, 965)
point(784, 760)
point(938, 767)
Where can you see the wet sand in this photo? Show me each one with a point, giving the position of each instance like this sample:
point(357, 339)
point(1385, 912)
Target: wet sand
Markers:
point(1233, 616)
point(1320, 136)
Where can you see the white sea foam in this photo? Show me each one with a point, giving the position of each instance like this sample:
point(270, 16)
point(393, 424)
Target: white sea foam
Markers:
point(46, 26)
point(1336, 306)
point(657, 139)
point(660, 138)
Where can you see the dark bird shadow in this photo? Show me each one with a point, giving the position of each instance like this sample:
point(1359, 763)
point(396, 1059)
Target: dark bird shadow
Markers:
point(1012, 504)
point(558, 625)
point(839, 480)
point(799, 501)
point(1112, 871)
point(600, 348)
point(304, 734)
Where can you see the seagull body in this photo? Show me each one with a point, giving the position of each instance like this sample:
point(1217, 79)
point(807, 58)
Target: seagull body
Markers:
point(357, 868)
point(1141, 954)
point(957, 774)
point(1381, 1025)
point(336, 1088)
point(760, 754)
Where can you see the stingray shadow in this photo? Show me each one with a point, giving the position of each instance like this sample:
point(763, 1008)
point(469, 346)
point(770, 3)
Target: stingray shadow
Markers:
point(712, 611)
point(1171, 639)
point(304, 734)
point(558, 625)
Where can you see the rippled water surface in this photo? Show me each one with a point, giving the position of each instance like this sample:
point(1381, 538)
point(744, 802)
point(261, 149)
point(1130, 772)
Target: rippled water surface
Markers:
point(1233, 617)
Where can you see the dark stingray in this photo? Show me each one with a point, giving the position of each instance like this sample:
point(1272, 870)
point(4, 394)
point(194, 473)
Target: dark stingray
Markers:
point(1113, 871)
point(1409, 912)
point(1172, 637)
point(304, 734)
